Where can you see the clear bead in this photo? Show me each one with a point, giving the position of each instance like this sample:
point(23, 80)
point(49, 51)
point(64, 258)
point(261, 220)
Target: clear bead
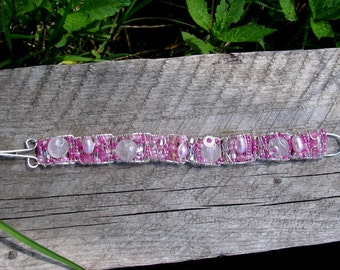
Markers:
point(126, 150)
point(58, 147)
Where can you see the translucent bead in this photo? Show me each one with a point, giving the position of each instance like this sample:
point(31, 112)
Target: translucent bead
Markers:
point(241, 145)
point(211, 154)
point(126, 150)
point(297, 144)
point(182, 151)
point(278, 147)
point(88, 145)
point(58, 147)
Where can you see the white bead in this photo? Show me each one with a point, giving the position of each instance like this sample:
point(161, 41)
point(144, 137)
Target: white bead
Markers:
point(126, 150)
point(88, 145)
point(58, 147)
point(211, 154)
point(182, 150)
point(297, 144)
point(241, 145)
point(209, 141)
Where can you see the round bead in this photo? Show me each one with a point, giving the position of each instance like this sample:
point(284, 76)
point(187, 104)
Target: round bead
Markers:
point(58, 147)
point(209, 141)
point(126, 150)
point(241, 145)
point(297, 144)
point(182, 151)
point(88, 145)
point(278, 147)
point(211, 154)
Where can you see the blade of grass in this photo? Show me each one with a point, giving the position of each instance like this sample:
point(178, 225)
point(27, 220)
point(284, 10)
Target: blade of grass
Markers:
point(29, 242)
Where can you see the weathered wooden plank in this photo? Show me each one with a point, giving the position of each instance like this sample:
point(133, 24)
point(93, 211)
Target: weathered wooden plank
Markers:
point(127, 215)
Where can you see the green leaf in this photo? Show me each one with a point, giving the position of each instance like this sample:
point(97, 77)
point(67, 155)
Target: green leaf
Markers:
point(247, 33)
point(198, 45)
point(6, 13)
point(73, 59)
point(321, 29)
point(227, 14)
point(62, 42)
point(25, 6)
point(24, 239)
point(75, 21)
point(100, 9)
point(325, 9)
point(91, 11)
point(5, 63)
point(198, 11)
point(288, 9)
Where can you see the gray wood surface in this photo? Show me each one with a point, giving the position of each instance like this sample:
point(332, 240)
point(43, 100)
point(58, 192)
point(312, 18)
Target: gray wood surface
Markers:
point(127, 215)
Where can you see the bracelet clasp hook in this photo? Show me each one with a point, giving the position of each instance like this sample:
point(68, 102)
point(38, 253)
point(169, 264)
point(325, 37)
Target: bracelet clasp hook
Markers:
point(31, 145)
point(336, 137)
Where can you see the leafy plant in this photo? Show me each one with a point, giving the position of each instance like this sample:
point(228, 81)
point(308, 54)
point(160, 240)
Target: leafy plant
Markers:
point(48, 31)
point(322, 12)
point(231, 24)
point(222, 26)
point(24, 239)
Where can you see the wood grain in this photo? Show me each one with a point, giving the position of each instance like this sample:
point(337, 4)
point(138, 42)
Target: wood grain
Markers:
point(126, 215)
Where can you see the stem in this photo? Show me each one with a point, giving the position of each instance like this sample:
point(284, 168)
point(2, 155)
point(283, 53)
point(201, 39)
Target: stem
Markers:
point(29, 242)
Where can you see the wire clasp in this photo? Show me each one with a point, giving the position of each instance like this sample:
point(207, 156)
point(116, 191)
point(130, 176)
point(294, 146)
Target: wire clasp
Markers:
point(336, 137)
point(31, 145)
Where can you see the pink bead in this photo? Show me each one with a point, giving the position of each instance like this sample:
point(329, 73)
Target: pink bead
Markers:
point(297, 144)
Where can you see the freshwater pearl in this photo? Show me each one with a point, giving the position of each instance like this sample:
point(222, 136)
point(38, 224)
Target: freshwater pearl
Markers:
point(182, 151)
point(126, 150)
point(211, 154)
point(58, 147)
point(241, 145)
point(297, 144)
point(88, 145)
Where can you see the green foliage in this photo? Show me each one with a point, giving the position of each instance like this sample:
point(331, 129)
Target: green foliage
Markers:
point(227, 22)
point(34, 245)
point(92, 11)
point(198, 10)
point(321, 29)
point(221, 27)
point(51, 30)
point(322, 12)
point(34, 32)
point(197, 44)
point(288, 8)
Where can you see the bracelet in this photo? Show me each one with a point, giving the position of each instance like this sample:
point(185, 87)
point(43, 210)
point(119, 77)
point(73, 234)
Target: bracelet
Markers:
point(174, 148)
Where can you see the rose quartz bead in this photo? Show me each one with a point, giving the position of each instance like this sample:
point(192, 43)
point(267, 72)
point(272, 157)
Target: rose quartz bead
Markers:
point(58, 147)
point(211, 154)
point(126, 150)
